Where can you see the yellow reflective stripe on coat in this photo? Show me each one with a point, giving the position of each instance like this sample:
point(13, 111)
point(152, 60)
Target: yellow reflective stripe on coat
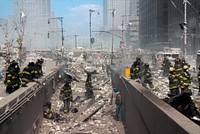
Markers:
point(26, 72)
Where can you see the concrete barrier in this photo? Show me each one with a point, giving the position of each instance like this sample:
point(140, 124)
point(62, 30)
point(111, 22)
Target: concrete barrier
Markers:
point(22, 111)
point(145, 113)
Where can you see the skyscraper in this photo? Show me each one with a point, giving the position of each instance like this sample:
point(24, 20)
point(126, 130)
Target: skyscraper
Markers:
point(35, 15)
point(122, 10)
point(176, 17)
point(153, 23)
point(133, 25)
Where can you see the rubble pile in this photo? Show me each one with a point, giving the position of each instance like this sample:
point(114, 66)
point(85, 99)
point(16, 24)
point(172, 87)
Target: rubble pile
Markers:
point(93, 116)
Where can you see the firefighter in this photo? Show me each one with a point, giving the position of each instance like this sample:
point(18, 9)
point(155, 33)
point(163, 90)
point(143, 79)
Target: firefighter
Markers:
point(184, 104)
point(183, 62)
point(38, 68)
point(138, 60)
point(27, 74)
point(147, 76)
point(185, 78)
point(66, 96)
point(198, 76)
point(88, 86)
point(178, 67)
point(135, 69)
point(173, 82)
point(49, 114)
point(12, 79)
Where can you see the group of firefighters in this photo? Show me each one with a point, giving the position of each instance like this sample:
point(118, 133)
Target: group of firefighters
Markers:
point(179, 77)
point(179, 81)
point(141, 71)
point(15, 78)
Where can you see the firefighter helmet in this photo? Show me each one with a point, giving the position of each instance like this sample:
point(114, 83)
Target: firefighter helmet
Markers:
point(177, 60)
point(138, 58)
point(185, 67)
point(171, 69)
point(146, 64)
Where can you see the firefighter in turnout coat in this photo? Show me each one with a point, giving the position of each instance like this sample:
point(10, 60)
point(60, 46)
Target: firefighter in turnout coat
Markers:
point(66, 96)
point(185, 78)
point(27, 74)
point(147, 76)
point(12, 80)
point(173, 82)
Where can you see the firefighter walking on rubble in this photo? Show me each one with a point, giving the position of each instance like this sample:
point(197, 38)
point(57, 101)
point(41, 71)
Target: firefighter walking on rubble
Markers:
point(66, 96)
point(173, 82)
point(185, 78)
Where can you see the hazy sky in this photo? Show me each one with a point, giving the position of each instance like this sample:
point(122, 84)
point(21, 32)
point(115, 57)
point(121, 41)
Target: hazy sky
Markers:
point(75, 13)
point(5, 8)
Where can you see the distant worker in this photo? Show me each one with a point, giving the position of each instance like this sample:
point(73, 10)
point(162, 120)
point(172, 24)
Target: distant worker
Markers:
point(118, 103)
point(198, 76)
point(84, 55)
point(185, 78)
point(49, 114)
point(147, 76)
point(173, 82)
point(165, 66)
point(12, 80)
point(88, 86)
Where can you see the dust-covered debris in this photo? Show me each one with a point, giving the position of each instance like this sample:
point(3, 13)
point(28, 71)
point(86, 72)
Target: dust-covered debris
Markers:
point(93, 115)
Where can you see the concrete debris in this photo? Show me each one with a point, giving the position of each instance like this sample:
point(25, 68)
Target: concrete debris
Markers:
point(93, 115)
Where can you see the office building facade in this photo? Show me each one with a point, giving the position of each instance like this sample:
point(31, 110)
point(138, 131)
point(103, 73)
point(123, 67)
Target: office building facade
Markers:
point(153, 26)
point(35, 15)
point(176, 17)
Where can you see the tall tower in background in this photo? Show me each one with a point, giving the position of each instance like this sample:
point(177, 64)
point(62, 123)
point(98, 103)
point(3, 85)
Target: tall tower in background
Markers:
point(153, 24)
point(133, 26)
point(122, 9)
point(36, 14)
